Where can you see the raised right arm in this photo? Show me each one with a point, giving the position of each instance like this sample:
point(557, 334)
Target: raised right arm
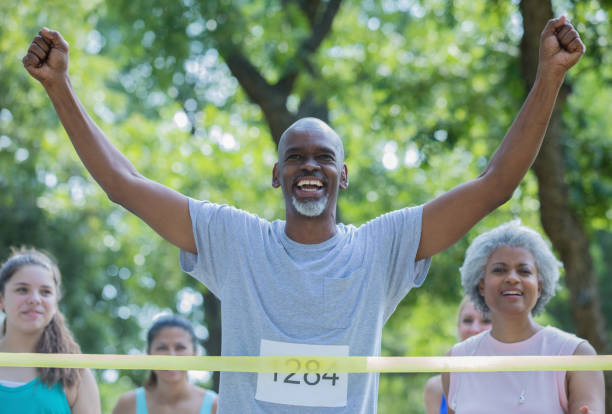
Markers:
point(162, 208)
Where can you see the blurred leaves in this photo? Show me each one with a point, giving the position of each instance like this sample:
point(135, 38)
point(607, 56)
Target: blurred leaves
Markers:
point(421, 92)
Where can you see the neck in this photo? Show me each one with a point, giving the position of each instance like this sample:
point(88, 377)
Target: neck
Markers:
point(171, 392)
point(511, 329)
point(310, 230)
point(19, 342)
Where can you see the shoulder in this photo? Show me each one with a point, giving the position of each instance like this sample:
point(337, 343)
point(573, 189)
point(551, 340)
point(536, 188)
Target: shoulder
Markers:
point(206, 397)
point(198, 391)
point(433, 388)
point(434, 383)
point(126, 403)
point(566, 341)
point(551, 331)
point(585, 348)
point(468, 346)
point(199, 207)
point(414, 213)
point(85, 396)
point(433, 394)
point(223, 217)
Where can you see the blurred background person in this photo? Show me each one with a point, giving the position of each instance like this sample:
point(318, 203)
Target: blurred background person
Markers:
point(169, 391)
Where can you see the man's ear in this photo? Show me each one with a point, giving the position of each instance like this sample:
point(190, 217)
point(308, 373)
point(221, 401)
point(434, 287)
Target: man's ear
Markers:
point(344, 181)
point(275, 180)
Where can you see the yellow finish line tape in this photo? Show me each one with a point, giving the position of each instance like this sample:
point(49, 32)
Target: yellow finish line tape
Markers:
point(303, 364)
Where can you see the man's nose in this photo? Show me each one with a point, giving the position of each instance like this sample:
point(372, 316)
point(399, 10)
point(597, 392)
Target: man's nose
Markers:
point(310, 163)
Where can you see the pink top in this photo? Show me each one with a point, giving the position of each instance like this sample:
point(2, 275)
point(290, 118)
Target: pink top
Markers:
point(512, 392)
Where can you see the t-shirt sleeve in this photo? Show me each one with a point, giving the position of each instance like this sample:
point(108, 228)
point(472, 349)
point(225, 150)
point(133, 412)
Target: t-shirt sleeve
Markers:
point(216, 230)
point(396, 238)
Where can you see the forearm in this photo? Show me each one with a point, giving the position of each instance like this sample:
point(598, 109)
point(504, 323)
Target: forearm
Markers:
point(103, 160)
point(522, 142)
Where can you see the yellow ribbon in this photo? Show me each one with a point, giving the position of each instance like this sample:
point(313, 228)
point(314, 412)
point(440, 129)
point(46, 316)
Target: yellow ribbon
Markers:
point(316, 363)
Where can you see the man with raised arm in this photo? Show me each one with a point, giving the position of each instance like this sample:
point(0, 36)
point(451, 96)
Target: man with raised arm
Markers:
point(307, 285)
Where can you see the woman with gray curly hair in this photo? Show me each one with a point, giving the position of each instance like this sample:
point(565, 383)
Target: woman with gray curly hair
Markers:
point(511, 273)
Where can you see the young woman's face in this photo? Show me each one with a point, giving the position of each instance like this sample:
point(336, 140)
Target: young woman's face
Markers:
point(471, 321)
point(29, 299)
point(510, 285)
point(172, 341)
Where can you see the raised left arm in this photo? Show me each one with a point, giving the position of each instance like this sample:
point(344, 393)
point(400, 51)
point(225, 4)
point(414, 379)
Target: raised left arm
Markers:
point(447, 218)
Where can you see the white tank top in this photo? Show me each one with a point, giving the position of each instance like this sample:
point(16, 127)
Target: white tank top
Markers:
point(512, 392)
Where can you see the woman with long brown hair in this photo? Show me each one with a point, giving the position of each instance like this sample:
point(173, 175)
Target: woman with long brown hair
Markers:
point(30, 283)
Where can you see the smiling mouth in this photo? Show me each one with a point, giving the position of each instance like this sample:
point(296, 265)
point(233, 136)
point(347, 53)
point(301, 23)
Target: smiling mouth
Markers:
point(309, 186)
point(512, 293)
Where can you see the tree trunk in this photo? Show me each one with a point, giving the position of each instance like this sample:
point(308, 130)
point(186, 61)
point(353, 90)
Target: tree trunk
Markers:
point(559, 219)
point(272, 98)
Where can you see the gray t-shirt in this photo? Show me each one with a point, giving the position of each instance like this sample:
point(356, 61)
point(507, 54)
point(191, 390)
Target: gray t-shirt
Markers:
point(280, 297)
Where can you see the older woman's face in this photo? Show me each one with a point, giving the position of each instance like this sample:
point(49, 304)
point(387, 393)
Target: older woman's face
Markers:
point(510, 285)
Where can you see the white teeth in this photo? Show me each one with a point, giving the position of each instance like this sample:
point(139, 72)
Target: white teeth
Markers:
point(310, 182)
point(512, 292)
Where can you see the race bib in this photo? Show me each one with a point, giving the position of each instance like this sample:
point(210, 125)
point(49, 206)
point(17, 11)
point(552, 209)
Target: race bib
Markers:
point(320, 389)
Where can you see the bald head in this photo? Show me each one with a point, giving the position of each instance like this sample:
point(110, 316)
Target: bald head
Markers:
point(312, 126)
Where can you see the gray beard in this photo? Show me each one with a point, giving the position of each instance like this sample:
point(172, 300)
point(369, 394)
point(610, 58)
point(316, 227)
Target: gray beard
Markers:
point(312, 208)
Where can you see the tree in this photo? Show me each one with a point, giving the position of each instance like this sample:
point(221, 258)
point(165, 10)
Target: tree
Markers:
point(421, 93)
point(560, 220)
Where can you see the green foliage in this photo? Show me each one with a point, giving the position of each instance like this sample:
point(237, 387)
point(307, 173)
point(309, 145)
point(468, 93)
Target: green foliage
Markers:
point(421, 92)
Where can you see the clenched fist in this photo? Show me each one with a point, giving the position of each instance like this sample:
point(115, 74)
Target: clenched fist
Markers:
point(47, 57)
point(560, 48)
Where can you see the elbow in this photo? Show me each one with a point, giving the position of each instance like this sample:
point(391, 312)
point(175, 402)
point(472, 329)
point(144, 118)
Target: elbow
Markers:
point(499, 191)
point(113, 196)
point(119, 189)
point(502, 198)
